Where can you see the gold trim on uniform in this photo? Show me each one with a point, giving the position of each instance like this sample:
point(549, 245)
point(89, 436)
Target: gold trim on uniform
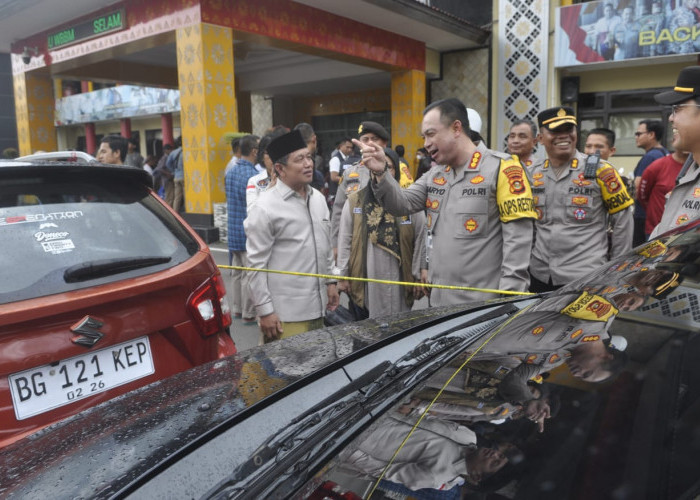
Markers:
point(682, 219)
point(476, 158)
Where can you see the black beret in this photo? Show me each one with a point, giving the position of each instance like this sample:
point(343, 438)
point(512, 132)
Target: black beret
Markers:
point(285, 144)
point(556, 117)
point(373, 128)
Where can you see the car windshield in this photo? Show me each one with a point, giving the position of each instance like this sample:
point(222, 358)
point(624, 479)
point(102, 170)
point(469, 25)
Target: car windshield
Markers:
point(62, 234)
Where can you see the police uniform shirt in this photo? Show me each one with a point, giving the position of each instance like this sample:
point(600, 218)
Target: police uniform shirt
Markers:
point(480, 223)
point(571, 230)
point(355, 177)
point(683, 203)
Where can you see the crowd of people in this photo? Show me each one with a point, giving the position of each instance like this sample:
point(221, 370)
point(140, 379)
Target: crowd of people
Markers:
point(475, 217)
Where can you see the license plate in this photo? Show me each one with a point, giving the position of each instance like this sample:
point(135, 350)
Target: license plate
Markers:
point(44, 388)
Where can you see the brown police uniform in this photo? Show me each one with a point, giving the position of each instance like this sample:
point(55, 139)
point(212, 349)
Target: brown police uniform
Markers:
point(683, 203)
point(571, 229)
point(479, 222)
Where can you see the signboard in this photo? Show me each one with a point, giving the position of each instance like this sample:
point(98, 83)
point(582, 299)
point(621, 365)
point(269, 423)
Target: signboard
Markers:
point(97, 26)
point(123, 101)
point(619, 30)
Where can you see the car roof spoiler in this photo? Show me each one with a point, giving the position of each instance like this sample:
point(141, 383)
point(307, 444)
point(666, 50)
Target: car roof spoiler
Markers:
point(63, 156)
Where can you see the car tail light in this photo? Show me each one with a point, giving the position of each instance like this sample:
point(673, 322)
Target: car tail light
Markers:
point(209, 306)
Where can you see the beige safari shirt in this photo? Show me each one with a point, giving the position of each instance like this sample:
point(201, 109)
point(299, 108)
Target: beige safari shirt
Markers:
point(288, 233)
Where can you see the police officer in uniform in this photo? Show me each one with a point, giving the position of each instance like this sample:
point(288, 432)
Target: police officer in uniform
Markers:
point(356, 176)
point(479, 205)
point(574, 198)
point(683, 204)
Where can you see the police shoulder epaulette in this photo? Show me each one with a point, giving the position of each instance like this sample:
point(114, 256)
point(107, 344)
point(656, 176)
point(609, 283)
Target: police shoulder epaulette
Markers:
point(602, 166)
point(502, 156)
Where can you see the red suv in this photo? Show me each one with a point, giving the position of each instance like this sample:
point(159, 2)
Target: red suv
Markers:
point(103, 289)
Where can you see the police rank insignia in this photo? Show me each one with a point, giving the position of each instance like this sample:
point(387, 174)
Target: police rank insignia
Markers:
point(537, 330)
point(477, 180)
point(471, 225)
point(682, 219)
point(538, 175)
point(353, 175)
point(476, 158)
point(579, 200)
point(590, 338)
point(577, 333)
point(440, 181)
point(554, 358)
point(531, 359)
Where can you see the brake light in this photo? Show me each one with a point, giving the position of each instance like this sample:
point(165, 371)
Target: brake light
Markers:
point(209, 307)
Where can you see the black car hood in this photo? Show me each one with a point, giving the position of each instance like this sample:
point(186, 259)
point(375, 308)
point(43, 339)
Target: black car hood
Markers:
point(231, 428)
point(102, 450)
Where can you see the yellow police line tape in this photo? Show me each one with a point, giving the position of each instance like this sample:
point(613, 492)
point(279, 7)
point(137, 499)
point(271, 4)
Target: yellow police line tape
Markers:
point(369, 280)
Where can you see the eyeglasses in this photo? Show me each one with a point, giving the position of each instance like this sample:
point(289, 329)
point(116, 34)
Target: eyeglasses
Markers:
point(675, 107)
point(637, 134)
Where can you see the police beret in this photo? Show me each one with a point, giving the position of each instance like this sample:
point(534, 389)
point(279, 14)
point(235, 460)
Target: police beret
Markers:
point(373, 128)
point(285, 144)
point(556, 117)
point(687, 86)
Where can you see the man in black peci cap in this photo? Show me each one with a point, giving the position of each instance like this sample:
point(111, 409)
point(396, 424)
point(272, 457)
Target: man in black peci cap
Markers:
point(682, 205)
point(288, 230)
point(575, 196)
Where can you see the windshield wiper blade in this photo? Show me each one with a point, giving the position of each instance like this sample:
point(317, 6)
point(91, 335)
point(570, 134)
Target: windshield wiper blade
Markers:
point(108, 267)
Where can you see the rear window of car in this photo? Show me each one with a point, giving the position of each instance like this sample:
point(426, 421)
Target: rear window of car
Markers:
point(62, 233)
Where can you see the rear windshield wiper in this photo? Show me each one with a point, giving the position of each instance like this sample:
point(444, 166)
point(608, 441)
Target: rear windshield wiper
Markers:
point(108, 267)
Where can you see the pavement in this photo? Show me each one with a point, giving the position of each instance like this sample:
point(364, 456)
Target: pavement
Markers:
point(247, 336)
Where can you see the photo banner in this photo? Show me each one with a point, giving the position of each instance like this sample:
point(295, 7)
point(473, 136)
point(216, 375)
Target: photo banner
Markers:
point(620, 30)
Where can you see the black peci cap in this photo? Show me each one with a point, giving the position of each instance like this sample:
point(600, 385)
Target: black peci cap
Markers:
point(285, 144)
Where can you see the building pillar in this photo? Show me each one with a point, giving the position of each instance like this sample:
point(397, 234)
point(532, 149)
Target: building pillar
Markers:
point(166, 125)
point(90, 139)
point(125, 127)
point(407, 104)
point(208, 111)
point(34, 111)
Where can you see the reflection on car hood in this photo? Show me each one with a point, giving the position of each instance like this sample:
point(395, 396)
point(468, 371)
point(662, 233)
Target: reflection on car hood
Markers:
point(605, 368)
point(125, 437)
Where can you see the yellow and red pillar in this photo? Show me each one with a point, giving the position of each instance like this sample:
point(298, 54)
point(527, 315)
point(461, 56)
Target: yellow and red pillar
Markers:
point(34, 111)
point(208, 111)
point(407, 104)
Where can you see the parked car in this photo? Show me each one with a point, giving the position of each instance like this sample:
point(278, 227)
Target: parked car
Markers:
point(589, 392)
point(103, 289)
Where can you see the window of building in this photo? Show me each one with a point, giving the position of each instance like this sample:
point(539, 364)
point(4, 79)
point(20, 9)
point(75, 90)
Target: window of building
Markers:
point(621, 112)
